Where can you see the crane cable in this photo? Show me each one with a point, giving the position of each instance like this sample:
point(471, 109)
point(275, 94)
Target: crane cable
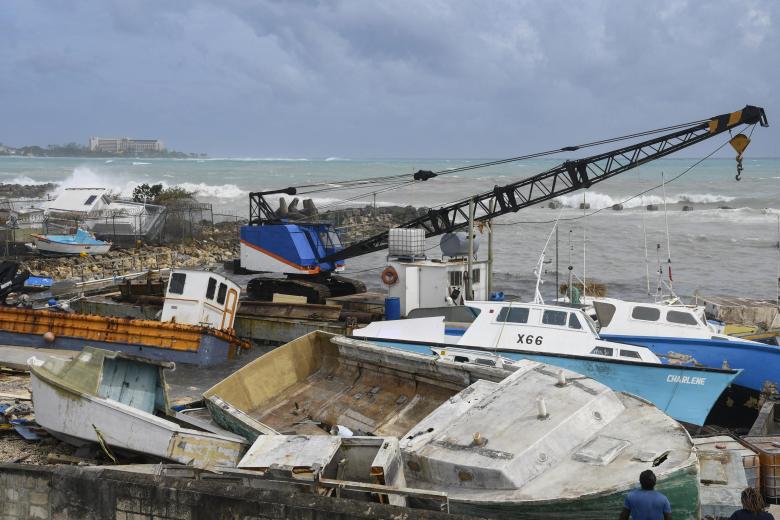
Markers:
point(560, 218)
point(641, 193)
point(347, 184)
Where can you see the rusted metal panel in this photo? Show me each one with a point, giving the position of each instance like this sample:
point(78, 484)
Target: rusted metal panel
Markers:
point(110, 329)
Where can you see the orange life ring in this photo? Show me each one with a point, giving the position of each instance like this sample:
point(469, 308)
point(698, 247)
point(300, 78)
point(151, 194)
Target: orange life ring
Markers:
point(389, 276)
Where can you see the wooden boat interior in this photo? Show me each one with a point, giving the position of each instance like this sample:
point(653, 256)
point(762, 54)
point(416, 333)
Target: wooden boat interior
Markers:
point(311, 385)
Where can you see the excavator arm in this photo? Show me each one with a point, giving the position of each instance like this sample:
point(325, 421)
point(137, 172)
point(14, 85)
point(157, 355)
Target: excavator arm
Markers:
point(565, 178)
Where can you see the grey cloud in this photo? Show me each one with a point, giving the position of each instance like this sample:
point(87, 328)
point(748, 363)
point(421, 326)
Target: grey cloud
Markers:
point(360, 78)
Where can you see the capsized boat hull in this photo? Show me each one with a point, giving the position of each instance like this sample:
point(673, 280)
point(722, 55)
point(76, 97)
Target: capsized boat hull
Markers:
point(680, 487)
point(685, 393)
point(78, 417)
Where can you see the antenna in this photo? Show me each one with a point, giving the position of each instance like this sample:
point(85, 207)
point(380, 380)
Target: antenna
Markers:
point(668, 241)
point(540, 264)
point(584, 241)
point(644, 234)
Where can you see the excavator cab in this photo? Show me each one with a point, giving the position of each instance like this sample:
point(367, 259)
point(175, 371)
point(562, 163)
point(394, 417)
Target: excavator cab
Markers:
point(293, 243)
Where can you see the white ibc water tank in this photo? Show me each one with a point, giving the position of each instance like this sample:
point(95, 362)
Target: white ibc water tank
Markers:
point(406, 243)
point(457, 244)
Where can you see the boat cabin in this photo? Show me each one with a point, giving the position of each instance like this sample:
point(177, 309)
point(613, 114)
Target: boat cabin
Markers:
point(201, 298)
point(543, 328)
point(620, 317)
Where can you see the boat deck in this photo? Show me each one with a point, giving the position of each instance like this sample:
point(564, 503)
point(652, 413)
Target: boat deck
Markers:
point(365, 399)
point(311, 384)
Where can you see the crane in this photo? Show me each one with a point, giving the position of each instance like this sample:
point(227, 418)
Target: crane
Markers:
point(310, 253)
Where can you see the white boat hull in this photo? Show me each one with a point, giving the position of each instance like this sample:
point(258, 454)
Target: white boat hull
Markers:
point(48, 246)
point(79, 417)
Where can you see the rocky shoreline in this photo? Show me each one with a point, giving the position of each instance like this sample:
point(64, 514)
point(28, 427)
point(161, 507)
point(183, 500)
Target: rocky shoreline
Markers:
point(213, 248)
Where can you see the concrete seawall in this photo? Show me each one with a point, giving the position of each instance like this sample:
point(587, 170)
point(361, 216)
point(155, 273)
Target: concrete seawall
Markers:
point(71, 492)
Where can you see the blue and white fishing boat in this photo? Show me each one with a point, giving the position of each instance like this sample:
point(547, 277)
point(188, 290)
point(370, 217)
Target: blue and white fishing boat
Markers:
point(565, 337)
point(680, 334)
point(82, 242)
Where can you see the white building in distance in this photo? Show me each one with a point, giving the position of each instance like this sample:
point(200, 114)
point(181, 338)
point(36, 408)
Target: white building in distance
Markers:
point(125, 145)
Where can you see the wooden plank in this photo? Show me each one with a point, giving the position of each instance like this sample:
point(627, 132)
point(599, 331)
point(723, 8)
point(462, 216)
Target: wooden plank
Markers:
point(22, 396)
point(288, 298)
point(308, 311)
point(206, 426)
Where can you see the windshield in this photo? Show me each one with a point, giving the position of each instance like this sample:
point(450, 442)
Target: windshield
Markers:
point(591, 324)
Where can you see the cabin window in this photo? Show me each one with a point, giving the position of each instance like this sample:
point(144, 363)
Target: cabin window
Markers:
point(602, 351)
point(683, 318)
point(211, 288)
point(222, 293)
point(630, 353)
point(604, 312)
point(176, 285)
point(475, 276)
point(456, 278)
point(513, 315)
point(574, 323)
point(646, 313)
point(554, 318)
point(90, 200)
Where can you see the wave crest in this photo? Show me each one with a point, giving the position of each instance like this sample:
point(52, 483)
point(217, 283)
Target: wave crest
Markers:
point(600, 200)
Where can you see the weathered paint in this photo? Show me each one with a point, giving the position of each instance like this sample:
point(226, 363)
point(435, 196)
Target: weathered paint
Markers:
point(282, 330)
point(146, 338)
point(103, 396)
point(680, 487)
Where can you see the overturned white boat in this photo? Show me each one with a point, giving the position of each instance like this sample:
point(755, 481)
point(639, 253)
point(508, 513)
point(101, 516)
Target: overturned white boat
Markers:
point(121, 401)
point(533, 441)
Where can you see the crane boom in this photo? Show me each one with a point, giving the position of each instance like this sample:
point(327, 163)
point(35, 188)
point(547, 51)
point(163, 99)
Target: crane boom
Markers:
point(565, 178)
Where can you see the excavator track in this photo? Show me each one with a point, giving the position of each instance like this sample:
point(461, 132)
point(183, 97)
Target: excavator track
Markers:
point(316, 290)
point(343, 286)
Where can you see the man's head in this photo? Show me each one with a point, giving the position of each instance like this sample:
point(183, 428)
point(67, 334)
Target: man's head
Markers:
point(753, 501)
point(647, 479)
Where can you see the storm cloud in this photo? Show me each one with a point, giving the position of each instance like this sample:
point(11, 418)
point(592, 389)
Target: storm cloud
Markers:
point(380, 79)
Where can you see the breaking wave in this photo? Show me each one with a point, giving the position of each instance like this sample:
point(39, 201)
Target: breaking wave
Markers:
point(224, 191)
point(601, 200)
point(24, 181)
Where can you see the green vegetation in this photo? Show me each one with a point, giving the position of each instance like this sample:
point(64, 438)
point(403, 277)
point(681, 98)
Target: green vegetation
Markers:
point(155, 193)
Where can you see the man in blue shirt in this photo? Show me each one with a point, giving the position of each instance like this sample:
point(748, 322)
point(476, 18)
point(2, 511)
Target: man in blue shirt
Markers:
point(646, 503)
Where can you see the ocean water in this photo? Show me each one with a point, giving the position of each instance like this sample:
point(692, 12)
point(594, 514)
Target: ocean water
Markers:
point(713, 250)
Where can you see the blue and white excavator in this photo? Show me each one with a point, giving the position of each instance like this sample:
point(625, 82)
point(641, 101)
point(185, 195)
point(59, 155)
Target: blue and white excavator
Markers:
point(308, 252)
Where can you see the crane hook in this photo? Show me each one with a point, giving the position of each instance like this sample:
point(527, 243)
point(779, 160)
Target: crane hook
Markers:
point(739, 142)
point(739, 168)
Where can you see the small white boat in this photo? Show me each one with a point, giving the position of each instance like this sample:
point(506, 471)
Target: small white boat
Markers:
point(82, 242)
point(121, 401)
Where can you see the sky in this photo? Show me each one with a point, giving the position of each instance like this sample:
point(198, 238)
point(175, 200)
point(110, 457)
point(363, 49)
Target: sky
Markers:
point(365, 78)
